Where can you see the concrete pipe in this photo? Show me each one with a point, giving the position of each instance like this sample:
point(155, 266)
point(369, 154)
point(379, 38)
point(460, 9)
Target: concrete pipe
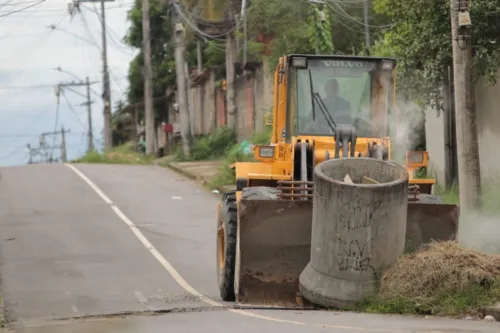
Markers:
point(358, 229)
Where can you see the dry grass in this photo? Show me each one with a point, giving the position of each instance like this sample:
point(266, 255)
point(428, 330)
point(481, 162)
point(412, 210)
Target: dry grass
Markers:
point(439, 267)
point(440, 278)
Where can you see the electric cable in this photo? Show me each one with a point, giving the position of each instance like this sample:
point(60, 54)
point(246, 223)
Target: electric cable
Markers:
point(73, 110)
point(22, 9)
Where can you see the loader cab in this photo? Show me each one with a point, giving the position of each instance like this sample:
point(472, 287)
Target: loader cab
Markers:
point(322, 91)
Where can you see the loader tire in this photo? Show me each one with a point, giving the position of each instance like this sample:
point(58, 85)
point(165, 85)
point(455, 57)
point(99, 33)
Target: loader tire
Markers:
point(429, 199)
point(226, 246)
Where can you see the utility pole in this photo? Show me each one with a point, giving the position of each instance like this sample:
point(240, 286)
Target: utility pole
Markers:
point(148, 80)
point(181, 88)
point(44, 147)
point(230, 75)
point(469, 176)
point(245, 30)
point(108, 135)
point(63, 145)
point(89, 117)
point(31, 151)
point(88, 103)
point(201, 91)
point(366, 12)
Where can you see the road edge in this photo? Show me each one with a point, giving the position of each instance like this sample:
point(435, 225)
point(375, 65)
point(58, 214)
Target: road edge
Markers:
point(191, 176)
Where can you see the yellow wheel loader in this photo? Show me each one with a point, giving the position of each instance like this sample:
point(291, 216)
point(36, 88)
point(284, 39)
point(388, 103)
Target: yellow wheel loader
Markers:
point(324, 107)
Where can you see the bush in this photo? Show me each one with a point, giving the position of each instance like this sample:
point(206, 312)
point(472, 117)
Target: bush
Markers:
point(123, 154)
point(227, 176)
point(209, 147)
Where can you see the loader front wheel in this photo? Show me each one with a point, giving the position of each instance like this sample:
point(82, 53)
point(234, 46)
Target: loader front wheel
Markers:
point(226, 246)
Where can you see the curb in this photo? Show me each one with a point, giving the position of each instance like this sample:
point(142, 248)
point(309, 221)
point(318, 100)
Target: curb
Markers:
point(191, 176)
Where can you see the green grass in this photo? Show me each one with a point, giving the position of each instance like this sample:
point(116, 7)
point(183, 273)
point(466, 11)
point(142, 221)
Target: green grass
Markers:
point(227, 176)
point(490, 196)
point(210, 147)
point(123, 154)
point(470, 300)
point(450, 196)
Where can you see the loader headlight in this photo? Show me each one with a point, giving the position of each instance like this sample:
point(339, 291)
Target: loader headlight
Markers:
point(299, 62)
point(417, 159)
point(266, 151)
point(387, 65)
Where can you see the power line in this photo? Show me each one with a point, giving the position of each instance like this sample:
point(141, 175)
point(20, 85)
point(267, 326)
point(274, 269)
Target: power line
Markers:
point(55, 10)
point(194, 26)
point(22, 9)
point(26, 136)
point(32, 51)
point(42, 86)
point(17, 3)
point(12, 154)
point(73, 110)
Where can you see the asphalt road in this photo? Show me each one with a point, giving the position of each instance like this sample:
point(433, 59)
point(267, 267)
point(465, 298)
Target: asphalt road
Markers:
point(132, 252)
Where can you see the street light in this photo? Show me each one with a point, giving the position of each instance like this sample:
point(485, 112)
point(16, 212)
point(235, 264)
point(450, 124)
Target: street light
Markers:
point(59, 69)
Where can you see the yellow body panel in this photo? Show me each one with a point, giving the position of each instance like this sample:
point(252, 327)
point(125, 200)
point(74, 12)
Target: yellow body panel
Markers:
point(279, 166)
point(275, 170)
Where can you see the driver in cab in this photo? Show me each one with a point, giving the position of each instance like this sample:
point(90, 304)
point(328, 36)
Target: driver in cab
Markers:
point(333, 102)
point(335, 105)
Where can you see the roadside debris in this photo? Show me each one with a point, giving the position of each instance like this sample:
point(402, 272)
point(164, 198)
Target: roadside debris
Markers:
point(444, 278)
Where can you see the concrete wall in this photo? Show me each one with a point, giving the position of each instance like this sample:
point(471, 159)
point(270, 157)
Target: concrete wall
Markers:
point(488, 113)
point(254, 95)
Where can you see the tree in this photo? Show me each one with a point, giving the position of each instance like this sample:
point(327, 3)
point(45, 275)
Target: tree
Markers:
point(320, 29)
point(421, 35)
point(161, 51)
point(296, 26)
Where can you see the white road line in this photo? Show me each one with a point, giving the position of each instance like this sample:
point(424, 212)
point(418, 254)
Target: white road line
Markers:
point(187, 287)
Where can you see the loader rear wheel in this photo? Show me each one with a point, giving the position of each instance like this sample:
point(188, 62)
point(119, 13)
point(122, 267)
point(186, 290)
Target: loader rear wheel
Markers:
point(226, 246)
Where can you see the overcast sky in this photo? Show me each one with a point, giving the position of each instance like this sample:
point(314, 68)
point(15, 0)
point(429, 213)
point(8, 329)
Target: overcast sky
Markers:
point(29, 50)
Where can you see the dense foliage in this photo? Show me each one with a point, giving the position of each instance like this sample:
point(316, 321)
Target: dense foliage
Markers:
point(297, 27)
point(420, 35)
point(161, 50)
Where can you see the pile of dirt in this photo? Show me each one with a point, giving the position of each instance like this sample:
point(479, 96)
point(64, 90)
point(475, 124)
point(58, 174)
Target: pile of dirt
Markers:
point(439, 269)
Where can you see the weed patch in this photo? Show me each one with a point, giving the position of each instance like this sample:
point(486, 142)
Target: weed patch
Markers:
point(210, 147)
point(227, 175)
point(120, 155)
point(440, 278)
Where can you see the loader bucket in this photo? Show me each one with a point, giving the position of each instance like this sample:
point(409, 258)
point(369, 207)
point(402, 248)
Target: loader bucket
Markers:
point(274, 245)
point(274, 238)
point(430, 222)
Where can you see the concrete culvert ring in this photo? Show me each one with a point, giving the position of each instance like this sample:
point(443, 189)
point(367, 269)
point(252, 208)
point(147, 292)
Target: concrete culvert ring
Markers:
point(388, 174)
point(358, 228)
